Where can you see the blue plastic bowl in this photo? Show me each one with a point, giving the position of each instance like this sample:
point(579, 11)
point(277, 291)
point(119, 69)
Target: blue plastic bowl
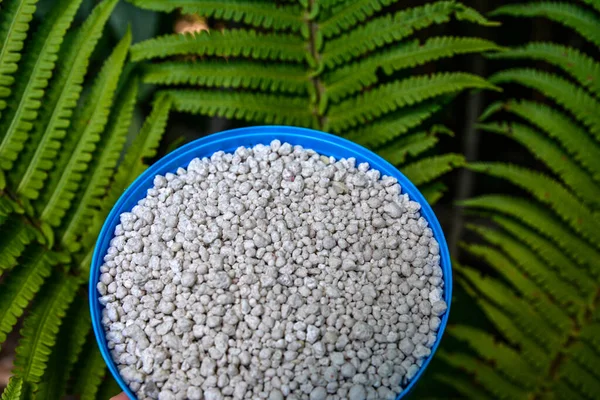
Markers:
point(228, 141)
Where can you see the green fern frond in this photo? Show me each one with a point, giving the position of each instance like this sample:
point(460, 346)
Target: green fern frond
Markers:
point(575, 63)
point(44, 144)
point(257, 107)
point(590, 333)
point(519, 310)
point(586, 357)
point(507, 361)
point(433, 192)
point(391, 29)
point(388, 128)
point(412, 145)
point(36, 71)
point(587, 383)
point(261, 14)
point(389, 97)
point(352, 78)
point(560, 127)
point(562, 264)
point(95, 184)
point(19, 287)
point(464, 386)
point(90, 373)
point(486, 376)
point(41, 327)
point(12, 244)
point(231, 74)
point(548, 191)
point(229, 43)
point(540, 219)
point(430, 168)
point(14, 389)
point(577, 18)
point(80, 143)
point(531, 265)
point(552, 313)
point(65, 353)
point(347, 16)
point(13, 32)
point(555, 159)
point(572, 97)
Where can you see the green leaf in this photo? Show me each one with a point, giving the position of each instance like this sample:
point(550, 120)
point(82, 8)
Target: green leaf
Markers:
point(257, 107)
point(430, 168)
point(390, 29)
point(41, 327)
point(433, 192)
point(108, 388)
point(572, 97)
point(555, 159)
point(585, 357)
point(563, 265)
point(548, 191)
point(229, 43)
point(80, 144)
point(95, 184)
point(14, 389)
point(465, 386)
point(13, 32)
point(506, 360)
point(485, 376)
point(348, 16)
point(35, 73)
point(363, 73)
point(65, 353)
point(231, 74)
point(575, 63)
point(581, 378)
point(388, 128)
point(20, 286)
point(261, 14)
point(412, 145)
point(540, 219)
point(573, 16)
point(65, 89)
point(12, 244)
point(90, 372)
point(388, 97)
point(560, 127)
point(590, 333)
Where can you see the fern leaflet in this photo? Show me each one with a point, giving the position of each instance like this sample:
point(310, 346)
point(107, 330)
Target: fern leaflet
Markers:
point(14, 389)
point(575, 63)
point(573, 98)
point(37, 70)
point(581, 378)
point(20, 286)
point(541, 220)
point(548, 191)
point(261, 14)
point(391, 29)
point(352, 78)
point(388, 128)
point(229, 43)
point(91, 370)
point(272, 109)
point(430, 168)
point(550, 154)
point(391, 96)
point(577, 18)
point(433, 192)
point(41, 327)
point(560, 127)
point(13, 32)
point(11, 246)
point(78, 146)
point(464, 386)
point(62, 99)
point(231, 74)
point(347, 16)
point(412, 145)
point(94, 185)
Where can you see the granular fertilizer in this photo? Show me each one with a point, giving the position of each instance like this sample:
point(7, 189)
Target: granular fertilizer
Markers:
point(272, 272)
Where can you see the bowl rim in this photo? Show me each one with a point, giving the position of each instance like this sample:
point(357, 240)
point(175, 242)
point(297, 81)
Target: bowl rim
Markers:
point(258, 134)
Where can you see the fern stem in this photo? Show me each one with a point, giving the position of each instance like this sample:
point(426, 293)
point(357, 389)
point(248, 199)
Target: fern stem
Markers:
point(319, 88)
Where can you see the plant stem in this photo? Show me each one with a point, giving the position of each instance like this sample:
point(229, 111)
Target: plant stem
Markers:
point(313, 29)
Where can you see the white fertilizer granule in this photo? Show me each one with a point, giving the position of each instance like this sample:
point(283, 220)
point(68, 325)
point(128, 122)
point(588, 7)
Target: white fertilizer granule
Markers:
point(273, 272)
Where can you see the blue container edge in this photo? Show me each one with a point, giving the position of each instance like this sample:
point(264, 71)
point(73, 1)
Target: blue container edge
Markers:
point(131, 195)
